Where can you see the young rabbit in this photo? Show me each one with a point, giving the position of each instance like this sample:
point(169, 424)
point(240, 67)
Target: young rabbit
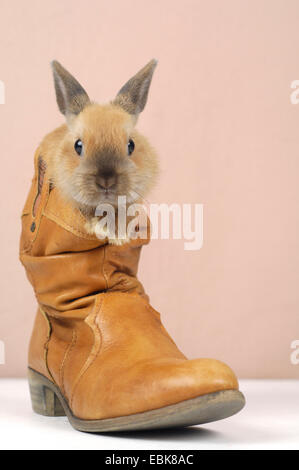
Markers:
point(98, 154)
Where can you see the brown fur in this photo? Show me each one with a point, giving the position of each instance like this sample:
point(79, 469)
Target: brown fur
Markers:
point(105, 131)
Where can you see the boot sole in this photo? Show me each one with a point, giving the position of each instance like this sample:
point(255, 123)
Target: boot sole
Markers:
point(48, 400)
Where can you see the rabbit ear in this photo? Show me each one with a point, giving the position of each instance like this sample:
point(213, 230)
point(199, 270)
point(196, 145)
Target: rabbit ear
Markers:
point(70, 96)
point(132, 96)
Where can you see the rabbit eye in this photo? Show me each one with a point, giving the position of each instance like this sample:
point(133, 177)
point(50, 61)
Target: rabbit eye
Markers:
point(79, 146)
point(131, 147)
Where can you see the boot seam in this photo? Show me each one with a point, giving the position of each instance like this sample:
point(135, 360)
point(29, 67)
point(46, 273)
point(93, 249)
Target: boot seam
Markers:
point(89, 361)
point(105, 274)
point(68, 350)
point(46, 344)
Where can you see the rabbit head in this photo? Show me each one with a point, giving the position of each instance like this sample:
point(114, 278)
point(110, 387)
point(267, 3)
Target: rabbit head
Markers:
point(101, 155)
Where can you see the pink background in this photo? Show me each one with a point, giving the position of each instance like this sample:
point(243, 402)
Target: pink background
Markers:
point(220, 115)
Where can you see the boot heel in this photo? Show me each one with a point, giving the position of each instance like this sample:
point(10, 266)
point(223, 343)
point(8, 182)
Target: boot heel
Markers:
point(44, 400)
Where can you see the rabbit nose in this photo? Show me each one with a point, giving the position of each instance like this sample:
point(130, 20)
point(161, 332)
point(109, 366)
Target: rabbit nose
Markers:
point(106, 181)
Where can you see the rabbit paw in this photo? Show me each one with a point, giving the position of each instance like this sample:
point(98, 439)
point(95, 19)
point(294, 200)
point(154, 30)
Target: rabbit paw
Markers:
point(92, 227)
point(118, 241)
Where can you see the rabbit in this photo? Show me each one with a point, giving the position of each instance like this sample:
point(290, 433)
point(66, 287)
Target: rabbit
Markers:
point(98, 154)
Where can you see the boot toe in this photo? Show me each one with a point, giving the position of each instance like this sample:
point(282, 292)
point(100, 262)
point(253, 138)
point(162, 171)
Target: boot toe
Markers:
point(183, 380)
point(211, 375)
point(152, 385)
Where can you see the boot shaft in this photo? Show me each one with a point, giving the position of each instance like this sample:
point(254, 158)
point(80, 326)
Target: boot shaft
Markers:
point(67, 266)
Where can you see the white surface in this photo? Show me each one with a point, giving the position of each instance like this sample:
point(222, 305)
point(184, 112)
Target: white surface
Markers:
point(270, 420)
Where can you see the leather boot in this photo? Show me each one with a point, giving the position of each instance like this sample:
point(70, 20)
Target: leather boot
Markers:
point(99, 352)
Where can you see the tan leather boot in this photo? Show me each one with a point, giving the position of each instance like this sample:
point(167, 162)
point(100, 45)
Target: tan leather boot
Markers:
point(99, 352)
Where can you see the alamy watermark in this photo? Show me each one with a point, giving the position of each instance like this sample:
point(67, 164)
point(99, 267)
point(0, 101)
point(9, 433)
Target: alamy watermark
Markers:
point(294, 96)
point(175, 221)
point(2, 92)
point(2, 352)
point(295, 354)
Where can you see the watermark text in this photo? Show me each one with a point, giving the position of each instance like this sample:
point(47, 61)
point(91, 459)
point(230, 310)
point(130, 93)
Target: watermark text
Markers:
point(2, 92)
point(174, 221)
point(2, 352)
point(295, 354)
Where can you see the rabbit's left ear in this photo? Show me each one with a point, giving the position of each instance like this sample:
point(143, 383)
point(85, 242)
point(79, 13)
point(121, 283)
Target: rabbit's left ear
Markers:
point(70, 95)
point(132, 96)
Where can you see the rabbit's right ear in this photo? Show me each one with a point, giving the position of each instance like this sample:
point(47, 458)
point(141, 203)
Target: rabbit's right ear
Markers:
point(70, 96)
point(132, 96)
